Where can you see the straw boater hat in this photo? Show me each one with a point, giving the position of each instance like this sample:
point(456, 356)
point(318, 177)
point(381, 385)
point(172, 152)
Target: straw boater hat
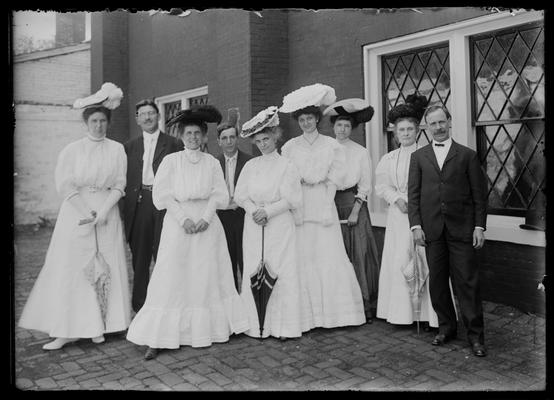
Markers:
point(313, 95)
point(264, 119)
point(197, 114)
point(108, 96)
point(358, 109)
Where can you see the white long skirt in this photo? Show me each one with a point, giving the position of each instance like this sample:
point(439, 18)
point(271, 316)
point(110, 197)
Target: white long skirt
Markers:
point(62, 302)
point(283, 313)
point(333, 294)
point(394, 302)
point(191, 297)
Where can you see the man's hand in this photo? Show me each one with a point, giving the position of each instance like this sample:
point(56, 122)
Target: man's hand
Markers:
point(419, 237)
point(189, 226)
point(402, 205)
point(201, 226)
point(260, 216)
point(478, 238)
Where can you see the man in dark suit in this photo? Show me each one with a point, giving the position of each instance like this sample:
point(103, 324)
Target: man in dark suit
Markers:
point(143, 222)
point(447, 214)
point(232, 218)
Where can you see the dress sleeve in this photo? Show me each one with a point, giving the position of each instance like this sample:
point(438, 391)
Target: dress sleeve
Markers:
point(64, 174)
point(219, 196)
point(337, 170)
point(291, 189)
point(384, 186)
point(366, 173)
point(162, 192)
point(121, 170)
point(241, 195)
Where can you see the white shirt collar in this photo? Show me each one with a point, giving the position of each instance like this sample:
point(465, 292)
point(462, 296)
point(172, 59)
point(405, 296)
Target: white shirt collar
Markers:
point(148, 136)
point(234, 157)
point(446, 143)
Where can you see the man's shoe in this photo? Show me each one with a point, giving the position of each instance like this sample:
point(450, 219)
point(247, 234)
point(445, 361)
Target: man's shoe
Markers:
point(150, 353)
point(441, 339)
point(479, 349)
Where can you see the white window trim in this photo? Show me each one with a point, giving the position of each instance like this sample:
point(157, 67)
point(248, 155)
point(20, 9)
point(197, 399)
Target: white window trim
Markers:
point(501, 228)
point(183, 96)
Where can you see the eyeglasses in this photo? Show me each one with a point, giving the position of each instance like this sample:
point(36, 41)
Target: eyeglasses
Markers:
point(147, 114)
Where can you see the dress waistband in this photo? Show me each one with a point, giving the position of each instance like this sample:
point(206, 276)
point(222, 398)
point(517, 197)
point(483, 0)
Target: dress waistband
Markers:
point(93, 189)
point(353, 189)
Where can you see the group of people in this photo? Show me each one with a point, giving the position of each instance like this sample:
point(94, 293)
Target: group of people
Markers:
point(209, 224)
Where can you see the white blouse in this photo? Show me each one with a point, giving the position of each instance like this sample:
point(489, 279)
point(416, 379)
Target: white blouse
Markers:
point(95, 164)
point(321, 162)
point(186, 176)
point(269, 181)
point(358, 169)
point(391, 174)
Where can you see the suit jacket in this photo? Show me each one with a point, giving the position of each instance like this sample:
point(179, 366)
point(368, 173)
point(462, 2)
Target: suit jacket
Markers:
point(242, 158)
point(454, 196)
point(135, 148)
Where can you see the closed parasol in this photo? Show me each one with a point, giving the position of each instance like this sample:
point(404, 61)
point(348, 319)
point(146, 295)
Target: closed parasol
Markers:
point(97, 273)
point(416, 273)
point(262, 282)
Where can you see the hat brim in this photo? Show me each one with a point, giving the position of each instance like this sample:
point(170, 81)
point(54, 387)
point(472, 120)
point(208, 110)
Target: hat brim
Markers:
point(196, 115)
point(270, 121)
point(312, 95)
point(532, 227)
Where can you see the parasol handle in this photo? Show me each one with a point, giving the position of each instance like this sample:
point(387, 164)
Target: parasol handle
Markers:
point(96, 238)
point(263, 230)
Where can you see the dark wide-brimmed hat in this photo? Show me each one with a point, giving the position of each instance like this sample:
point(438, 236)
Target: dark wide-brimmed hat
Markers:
point(197, 114)
point(358, 109)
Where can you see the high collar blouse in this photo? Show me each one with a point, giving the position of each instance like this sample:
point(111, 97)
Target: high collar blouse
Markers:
point(391, 174)
point(358, 169)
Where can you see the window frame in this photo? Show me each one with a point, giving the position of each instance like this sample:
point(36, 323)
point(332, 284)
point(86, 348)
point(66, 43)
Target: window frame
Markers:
point(184, 97)
point(499, 227)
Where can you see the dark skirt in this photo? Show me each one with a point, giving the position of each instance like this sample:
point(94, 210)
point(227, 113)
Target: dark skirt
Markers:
point(361, 248)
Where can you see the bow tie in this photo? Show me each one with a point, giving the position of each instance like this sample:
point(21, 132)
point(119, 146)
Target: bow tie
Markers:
point(439, 144)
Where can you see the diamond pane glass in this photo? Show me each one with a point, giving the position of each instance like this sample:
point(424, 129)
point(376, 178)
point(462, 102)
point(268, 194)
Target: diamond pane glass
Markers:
point(198, 100)
point(508, 112)
point(170, 110)
point(425, 70)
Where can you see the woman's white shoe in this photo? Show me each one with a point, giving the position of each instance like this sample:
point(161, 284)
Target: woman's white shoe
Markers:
point(98, 339)
point(57, 343)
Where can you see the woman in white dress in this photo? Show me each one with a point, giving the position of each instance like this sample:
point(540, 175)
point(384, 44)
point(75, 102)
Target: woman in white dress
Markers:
point(352, 196)
point(268, 189)
point(394, 302)
point(191, 297)
point(90, 176)
point(333, 294)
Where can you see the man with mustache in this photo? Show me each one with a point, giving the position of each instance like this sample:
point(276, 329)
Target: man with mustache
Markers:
point(447, 214)
point(143, 222)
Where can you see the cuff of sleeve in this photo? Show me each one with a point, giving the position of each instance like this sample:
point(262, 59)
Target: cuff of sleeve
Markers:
point(249, 207)
point(412, 228)
point(276, 208)
point(394, 198)
point(71, 194)
point(120, 191)
point(209, 212)
point(480, 227)
point(361, 196)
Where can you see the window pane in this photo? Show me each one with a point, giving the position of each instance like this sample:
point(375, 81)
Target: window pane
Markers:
point(170, 110)
point(425, 70)
point(508, 111)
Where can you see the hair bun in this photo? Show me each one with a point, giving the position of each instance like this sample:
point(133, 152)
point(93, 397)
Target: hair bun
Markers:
point(414, 107)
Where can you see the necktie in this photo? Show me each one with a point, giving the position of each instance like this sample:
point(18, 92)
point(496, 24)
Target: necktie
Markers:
point(148, 161)
point(439, 144)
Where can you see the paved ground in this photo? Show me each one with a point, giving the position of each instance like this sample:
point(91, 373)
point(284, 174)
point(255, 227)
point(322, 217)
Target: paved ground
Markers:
point(376, 357)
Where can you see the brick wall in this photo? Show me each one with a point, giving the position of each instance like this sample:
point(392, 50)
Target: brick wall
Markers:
point(44, 90)
point(110, 63)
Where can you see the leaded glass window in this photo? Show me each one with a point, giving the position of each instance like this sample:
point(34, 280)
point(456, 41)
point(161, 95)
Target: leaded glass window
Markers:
point(425, 70)
point(198, 100)
point(170, 110)
point(508, 114)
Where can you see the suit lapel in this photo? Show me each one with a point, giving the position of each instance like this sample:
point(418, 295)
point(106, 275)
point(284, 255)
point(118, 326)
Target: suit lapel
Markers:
point(221, 159)
point(451, 153)
point(238, 167)
point(160, 147)
point(430, 155)
point(139, 149)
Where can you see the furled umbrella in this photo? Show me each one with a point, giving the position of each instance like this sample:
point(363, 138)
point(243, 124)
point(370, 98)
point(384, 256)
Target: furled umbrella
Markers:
point(262, 282)
point(415, 273)
point(97, 273)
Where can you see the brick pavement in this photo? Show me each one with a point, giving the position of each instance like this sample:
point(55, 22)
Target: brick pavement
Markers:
point(375, 357)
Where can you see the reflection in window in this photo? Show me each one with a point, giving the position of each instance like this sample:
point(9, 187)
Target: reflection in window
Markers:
point(170, 110)
point(508, 113)
point(425, 70)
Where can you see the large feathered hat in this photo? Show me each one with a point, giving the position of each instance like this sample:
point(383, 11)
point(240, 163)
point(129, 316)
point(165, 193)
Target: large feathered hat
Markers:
point(312, 95)
point(414, 107)
point(108, 96)
point(358, 109)
point(197, 114)
point(264, 119)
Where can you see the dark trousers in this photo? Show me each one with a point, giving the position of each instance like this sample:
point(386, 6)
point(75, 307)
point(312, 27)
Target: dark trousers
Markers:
point(144, 241)
point(233, 225)
point(455, 259)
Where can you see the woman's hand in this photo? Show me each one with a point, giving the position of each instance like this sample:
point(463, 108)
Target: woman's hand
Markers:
point(101, 217)
point(353, 218)
point(189, 226)
point(402, 205)
point(260, 216)
point(201, 226)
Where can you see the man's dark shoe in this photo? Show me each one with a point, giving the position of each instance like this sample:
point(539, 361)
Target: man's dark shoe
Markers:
point(441, 339)
point(479, 349)
point(150, 353)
